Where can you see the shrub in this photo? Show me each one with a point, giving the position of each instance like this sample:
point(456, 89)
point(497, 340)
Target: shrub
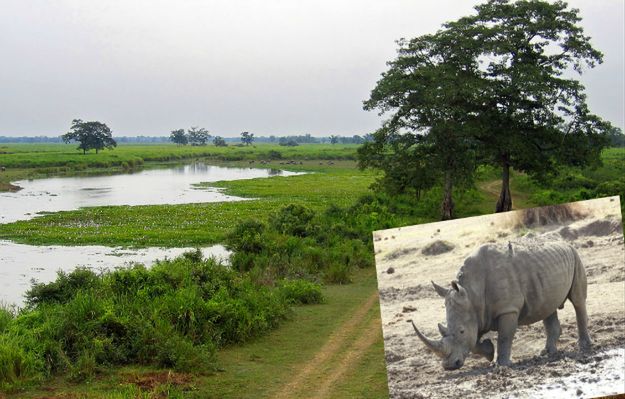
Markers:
point(176, 315)
point(293, 220)
point(301, 292)
point(273, 154)
point(247, 236)
point(63, 288)
point(337, 273)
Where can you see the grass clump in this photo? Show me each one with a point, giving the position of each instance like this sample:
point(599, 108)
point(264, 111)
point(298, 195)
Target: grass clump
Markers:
point(301, 292)
point(176, 315)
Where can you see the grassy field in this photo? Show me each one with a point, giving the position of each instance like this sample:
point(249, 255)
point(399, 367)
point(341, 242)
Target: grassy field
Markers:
point(42, 159)
point(196, 224)
point(326, 351)
point(341, 338)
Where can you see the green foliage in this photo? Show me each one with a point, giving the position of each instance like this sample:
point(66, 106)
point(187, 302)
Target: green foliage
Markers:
point(293, 219)
point(179, 137)
point(90, 135)
point(175, 315)
point(198, 136)
point(247, 236)
point(489, 88)
point(301, 292)
point(247, 138)
point(219, 141)
point(63, 288)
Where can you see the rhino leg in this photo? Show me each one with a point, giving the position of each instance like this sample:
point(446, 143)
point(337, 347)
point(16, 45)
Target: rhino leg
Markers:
point(584, 341)
point(577, 296)
point(506, 327)
point(552, 326)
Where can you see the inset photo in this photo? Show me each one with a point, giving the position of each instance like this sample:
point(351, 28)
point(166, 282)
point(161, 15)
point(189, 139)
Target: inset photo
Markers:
point(528, 303)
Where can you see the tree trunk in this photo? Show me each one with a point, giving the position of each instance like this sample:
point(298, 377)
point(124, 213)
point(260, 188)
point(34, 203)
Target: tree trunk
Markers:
point(448, 203)
point(504, 203)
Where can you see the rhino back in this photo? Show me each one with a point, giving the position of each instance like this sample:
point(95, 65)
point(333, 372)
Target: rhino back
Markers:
point(532, 280)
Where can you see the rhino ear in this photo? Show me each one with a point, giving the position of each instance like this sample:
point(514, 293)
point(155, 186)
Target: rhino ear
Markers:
point(458, 288)
point(442, 329)
point(440, 290)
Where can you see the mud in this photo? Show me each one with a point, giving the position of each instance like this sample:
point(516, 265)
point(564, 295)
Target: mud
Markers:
point(407, 294)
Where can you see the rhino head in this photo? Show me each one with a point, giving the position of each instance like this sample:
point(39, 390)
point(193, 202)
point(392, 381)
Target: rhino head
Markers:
point(460, 336)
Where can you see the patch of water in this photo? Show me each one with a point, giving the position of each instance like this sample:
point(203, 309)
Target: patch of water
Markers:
point(149, 187)
point(20, 264)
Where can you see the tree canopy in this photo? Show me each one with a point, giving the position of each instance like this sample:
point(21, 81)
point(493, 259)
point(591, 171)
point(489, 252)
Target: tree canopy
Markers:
point(247, 138)
point(494, 87)
point(198, 136)
point(179, 137)
point(90, 135)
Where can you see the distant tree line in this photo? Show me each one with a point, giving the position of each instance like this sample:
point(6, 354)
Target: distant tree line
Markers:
point(299, 139)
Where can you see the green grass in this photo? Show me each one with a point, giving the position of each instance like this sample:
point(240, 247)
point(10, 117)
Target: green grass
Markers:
point(260, 368)
point(194, 224)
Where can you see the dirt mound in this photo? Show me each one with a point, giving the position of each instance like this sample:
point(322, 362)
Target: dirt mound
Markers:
point(437, 247)
point(600, 228)
point(552, 214)
point(568, 234)
point(400, 252)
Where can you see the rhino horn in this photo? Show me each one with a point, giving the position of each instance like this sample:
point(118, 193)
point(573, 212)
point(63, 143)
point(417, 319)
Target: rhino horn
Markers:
point(435, 346)
point(442, 329)
point(440, 290)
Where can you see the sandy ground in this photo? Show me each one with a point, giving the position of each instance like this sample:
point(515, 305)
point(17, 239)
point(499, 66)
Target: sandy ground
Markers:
point(404, 272)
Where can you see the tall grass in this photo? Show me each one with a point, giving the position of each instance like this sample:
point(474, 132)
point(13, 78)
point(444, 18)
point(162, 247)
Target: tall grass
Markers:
point(174, 315)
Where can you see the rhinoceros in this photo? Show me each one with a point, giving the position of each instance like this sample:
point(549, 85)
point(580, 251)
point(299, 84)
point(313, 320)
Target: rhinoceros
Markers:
point(498, 289)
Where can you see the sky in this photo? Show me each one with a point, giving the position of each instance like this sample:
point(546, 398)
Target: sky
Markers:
point(282, 67)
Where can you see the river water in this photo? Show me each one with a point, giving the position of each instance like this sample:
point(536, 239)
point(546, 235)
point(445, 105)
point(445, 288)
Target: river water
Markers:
point(150, 187)
point(20, 264)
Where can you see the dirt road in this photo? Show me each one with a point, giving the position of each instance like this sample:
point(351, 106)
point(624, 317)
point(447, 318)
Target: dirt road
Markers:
point(341, 352)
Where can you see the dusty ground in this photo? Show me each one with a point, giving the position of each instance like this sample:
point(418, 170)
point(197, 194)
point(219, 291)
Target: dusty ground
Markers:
point(408, 258)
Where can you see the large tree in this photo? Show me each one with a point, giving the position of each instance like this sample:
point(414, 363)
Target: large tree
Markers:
point(428, 93)
point(179, 137)
point(499, 84)
point(532, 110)
point(90, 135)
point(198, 136)
point(247, 138)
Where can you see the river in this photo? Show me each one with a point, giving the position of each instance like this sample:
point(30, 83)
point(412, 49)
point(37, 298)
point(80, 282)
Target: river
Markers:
point(20, 264)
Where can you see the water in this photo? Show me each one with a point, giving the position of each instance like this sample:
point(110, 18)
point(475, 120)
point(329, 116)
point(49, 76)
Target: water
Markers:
point(19, 264)
point(150, 187)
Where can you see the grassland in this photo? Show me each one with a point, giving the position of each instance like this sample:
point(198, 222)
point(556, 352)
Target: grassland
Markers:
point(195, 224)
point(305, 355)
point(36, 160)
point(264, 367)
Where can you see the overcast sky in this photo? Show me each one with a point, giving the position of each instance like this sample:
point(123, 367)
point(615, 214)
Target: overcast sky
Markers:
point(280, 67)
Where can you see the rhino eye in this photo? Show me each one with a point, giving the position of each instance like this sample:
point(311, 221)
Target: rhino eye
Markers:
point(461, 331)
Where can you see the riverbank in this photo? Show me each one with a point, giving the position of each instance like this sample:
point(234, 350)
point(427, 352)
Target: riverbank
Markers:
point(26, 161)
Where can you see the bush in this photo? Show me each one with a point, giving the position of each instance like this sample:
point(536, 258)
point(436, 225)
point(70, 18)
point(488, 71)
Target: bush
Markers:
point(175, 315)
point(63, 288)
point(292, 220)
point(301, 292)
point(247, 236)
point(273, 154)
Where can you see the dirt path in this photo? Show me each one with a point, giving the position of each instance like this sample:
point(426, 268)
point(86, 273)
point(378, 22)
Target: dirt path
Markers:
point(320, 367)
point(492, 187)
point(370, 335)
